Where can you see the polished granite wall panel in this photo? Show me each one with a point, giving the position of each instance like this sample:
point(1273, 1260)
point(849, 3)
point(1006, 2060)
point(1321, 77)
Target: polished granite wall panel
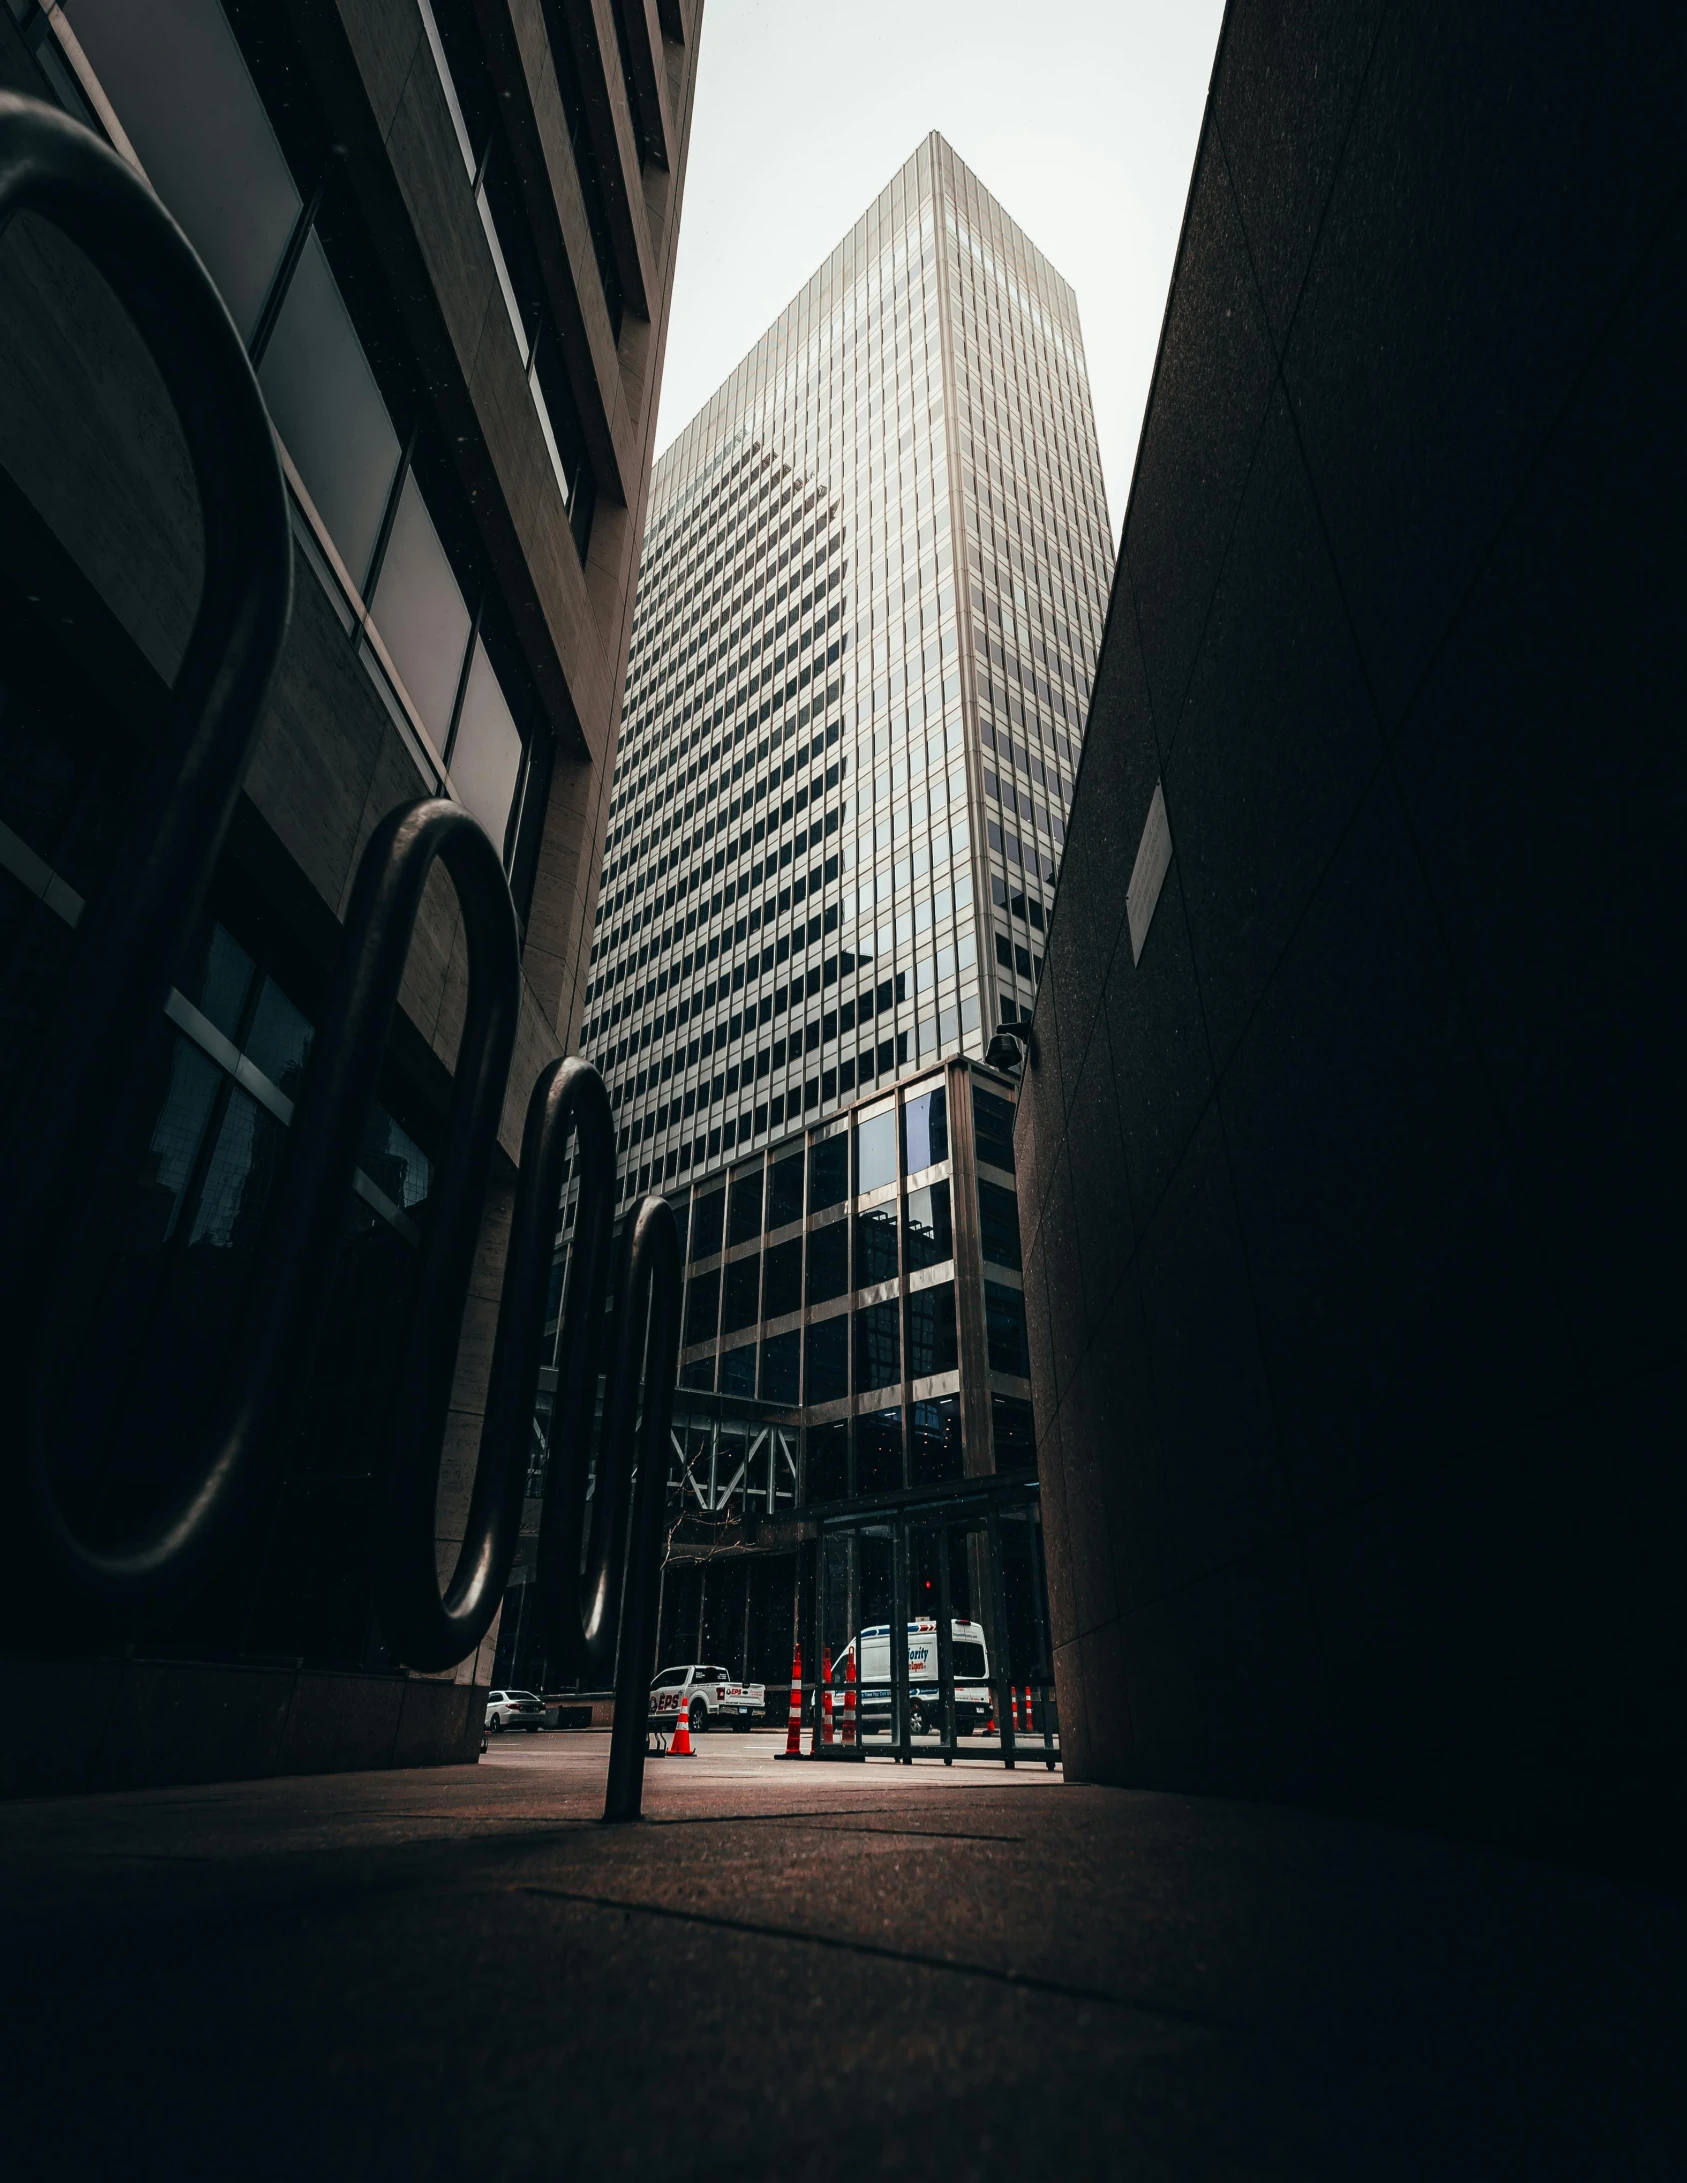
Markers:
point(1351, 1209)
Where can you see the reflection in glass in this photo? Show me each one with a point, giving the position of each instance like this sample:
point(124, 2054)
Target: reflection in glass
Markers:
point(328, 410)
point(705, 1236)
point(932, 1345)
point(934, 1449)
point(828, 1262)
point(279, 1039)
point(781, 1367)
point(875, 1246)
point(485, 761)
point(743, 1284)
point(745, 1219)
point(783, 1283)
point(784, 1191)
point(828, 1172)
point(192, 112)
point(418, 608)
point(1004, 1326)
point(828, 1461)
point(875, 1155)
point(931, 1239)
point(998, 1222)
point(878, 1452)
point(925, 1130)
point(702, 1307)
point(878, 1347)
point(828, 1360)
point(738, 1370)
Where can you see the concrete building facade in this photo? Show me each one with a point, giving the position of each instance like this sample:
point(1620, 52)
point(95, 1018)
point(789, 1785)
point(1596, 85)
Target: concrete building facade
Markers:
point(446, 233)
point(1351, 1168)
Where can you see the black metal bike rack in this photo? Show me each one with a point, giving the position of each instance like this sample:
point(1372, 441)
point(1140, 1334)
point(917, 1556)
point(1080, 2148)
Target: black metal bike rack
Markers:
point(67, 1130)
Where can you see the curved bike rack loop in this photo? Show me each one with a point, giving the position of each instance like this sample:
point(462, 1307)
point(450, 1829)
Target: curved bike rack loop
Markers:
point(133, 934)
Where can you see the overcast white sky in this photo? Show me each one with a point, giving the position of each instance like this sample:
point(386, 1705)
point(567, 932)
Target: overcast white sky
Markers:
point(1079, 116)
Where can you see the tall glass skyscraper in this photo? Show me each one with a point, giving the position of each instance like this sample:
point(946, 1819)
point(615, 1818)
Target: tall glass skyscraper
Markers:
point(872, 591)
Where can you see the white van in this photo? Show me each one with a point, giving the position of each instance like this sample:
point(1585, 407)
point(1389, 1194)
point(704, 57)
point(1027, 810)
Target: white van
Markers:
point(969, 1659)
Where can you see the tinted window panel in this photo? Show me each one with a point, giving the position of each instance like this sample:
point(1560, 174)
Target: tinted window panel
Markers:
point(784, 1279)
point(740, 1306)
point(931, 1238)
point(931, 1332)
point(925, 1130)
point(781, 1365)
point(1015, 1432)
point(828, 1461)
point(828, 1360)
point(1004, 1324)
point(878, 1452)
point(329, 412)
point(738, 1370)
point(784, 1191)
point(934, 1454)
point(486, 755)
point(992, 1122)
point(828, 1173)
point(192, 112)
point(878, 1347)
point(828, 1262)
point(998, 1222)
point(746, 1207)
point(875, 1246)
point(419, 610)
point(701, 1307)
point(876, 1151)
point(705, 1239)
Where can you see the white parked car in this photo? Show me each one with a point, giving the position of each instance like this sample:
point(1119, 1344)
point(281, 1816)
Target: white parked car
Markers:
point(970, 1665)
point(514, 1709)
point(710, 1695)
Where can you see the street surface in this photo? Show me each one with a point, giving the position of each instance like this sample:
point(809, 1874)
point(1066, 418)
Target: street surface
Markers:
point(810, 1969)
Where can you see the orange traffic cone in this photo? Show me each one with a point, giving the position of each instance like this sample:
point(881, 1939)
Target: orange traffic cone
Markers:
point(849, 1705)
point(793, 1729)
point(821, 1733)
point(1013, 1701)
point(680, 1748)
point(1029, 1723)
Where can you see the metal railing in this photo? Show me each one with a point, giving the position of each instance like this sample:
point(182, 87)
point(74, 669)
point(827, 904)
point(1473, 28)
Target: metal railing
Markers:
point(77, 1124)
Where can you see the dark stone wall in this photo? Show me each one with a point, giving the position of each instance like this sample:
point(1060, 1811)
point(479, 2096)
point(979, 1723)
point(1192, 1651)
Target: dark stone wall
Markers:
point(1354, 1209)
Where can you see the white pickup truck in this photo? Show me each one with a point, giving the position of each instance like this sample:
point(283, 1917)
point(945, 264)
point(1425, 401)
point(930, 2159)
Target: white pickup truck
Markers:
point(969, 1663)
point(709, 1694)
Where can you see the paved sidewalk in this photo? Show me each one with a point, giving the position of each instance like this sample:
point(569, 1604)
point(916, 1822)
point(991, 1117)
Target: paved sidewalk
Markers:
point(810, 1970)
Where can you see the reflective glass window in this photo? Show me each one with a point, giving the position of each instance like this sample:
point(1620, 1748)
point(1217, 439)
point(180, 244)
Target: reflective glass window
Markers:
point(419, 610)
point(828, 1173)
point(934, 1456)
point(781, 1364)
point(744, 1220)
point(992, 1123)
point(930, 1233)
point(875, 1151)
point(1014, 1426)
point(328, 410)
point(828, 1360)
point(485, 761)
point(1004, 1325)
point(702, 1307)
point(182, 91)
point(784, 1191)
point(741, 1301)
point(878, 1347)
point(875, 1246)
point(998, 1221)
point(878, 1452)
point(931, 1332)
point(925, 1130)
point(827, 1456)
point(828, 1262)
point(705, 1236)
point(738, 1370)
point(783, 1285)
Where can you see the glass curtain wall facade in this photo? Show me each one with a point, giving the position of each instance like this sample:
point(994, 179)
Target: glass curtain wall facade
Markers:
point(871, 596)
